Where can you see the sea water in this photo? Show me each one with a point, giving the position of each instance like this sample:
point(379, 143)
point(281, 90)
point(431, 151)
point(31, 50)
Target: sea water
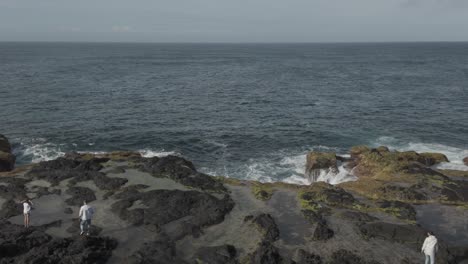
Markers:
point(248, 111)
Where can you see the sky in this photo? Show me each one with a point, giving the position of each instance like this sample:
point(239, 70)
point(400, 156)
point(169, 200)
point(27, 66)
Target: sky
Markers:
point(234, 20)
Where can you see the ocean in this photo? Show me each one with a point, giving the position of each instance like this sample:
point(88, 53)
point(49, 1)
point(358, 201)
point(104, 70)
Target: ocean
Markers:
point(249, 111)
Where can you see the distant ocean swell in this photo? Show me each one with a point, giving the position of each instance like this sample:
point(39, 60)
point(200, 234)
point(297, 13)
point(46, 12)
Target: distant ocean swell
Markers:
point(283, 165)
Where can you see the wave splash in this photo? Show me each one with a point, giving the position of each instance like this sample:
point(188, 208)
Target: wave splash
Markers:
point(36, 150)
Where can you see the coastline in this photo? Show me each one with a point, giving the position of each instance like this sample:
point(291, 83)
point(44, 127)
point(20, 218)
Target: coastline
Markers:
point(379, 218)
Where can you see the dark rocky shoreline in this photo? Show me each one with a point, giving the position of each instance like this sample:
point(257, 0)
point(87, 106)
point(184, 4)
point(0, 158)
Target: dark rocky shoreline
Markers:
point(162, 210)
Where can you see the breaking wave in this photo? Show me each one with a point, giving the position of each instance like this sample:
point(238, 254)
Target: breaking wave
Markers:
point(36, 150)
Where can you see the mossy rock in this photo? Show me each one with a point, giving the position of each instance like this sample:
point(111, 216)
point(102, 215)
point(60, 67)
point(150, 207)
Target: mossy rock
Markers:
point(398, 209)
point(429, 158)
point(454, 173)
point(325, 193)
point(358, 150)
point(382, 149)
point(262, 191)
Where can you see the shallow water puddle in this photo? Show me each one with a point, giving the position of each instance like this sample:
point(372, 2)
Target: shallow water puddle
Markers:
point(447, 222)
point(46, 209)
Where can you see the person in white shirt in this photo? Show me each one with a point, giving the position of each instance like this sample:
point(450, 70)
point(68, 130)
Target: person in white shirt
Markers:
point(27, 206)
point(429, 248)
point(85, 215)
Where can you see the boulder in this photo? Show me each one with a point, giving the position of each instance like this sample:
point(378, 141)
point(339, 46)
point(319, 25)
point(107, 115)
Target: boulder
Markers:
point(318, 161)
point(7, 159)
point(465, 161)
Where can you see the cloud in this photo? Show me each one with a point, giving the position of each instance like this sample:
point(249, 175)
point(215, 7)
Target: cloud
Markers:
point(120, 29)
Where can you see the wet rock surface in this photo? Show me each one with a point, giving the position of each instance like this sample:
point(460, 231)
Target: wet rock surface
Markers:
point(318, 161)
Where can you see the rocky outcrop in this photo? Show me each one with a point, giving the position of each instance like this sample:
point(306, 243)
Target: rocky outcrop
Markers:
point(33, 245)
point(165, 206)
point(320, 161)
point(180, 170)
point(411, 235)
point(399, 209)
point(7, 159)
point(55, 171)
point(79, 195)
point(429, 158)
point(162, 210)
point(465, 161)
point(266, 225)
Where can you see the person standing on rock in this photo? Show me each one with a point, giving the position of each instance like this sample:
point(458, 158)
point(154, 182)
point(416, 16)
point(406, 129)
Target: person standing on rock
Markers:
point(429, 248)
point(27, 207)
point(85, 215)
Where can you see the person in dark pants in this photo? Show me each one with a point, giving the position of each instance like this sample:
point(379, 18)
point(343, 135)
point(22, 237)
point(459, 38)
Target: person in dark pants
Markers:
point(85, 215)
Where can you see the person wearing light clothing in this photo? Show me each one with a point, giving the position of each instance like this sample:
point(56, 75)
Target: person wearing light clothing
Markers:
point(27, 207)
point(429, 248)
point(85, 215)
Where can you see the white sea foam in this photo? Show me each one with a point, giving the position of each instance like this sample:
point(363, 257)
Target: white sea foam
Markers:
point(455, 155)
point(38, 149)
point(148, 153)
point(290, 168)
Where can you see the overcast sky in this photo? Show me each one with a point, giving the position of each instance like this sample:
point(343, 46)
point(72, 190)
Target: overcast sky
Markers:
point(234, 20)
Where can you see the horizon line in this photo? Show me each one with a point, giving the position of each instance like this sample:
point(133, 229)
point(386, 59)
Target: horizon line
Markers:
point(226, 42)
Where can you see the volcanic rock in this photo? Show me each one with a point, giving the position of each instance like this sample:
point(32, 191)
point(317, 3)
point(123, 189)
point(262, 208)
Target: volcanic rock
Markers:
point(318, 161)
point(225, 254)
point(7, 159)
